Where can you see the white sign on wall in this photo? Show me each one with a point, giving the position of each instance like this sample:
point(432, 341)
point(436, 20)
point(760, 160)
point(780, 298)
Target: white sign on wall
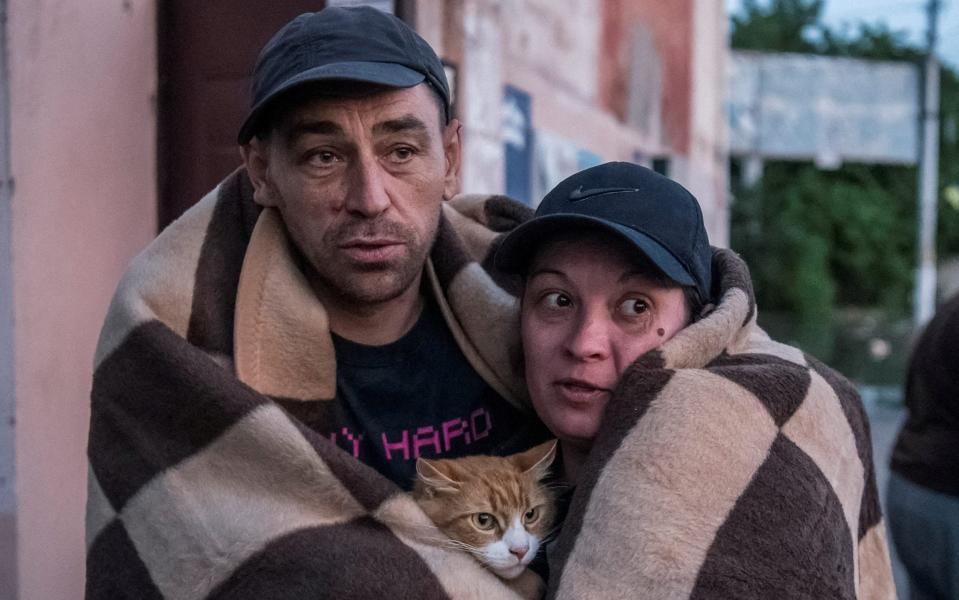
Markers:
point(822, 108)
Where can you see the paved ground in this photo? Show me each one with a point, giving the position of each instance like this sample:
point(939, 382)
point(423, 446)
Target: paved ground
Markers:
point(885, 421)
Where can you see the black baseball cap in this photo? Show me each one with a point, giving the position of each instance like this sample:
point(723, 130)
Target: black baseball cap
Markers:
point(342, 43)
point(652, 213)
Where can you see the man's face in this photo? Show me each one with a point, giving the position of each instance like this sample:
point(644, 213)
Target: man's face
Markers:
point(359, 181)
point(588, 311)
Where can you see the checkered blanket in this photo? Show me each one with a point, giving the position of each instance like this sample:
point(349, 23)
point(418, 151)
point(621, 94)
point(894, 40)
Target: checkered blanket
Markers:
point(208, 477)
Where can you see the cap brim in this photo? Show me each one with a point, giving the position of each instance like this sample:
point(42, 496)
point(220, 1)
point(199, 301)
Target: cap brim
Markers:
point(388, 74)
point(516, 249)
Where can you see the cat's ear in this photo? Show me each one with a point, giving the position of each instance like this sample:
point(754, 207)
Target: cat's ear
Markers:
point(433, 476)
point(536, 460)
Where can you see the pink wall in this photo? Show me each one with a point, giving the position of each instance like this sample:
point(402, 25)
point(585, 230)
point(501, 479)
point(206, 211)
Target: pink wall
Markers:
point(82, 87)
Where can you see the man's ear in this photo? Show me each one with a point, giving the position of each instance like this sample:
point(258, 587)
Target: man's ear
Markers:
point(452, 149)
point(256, 158)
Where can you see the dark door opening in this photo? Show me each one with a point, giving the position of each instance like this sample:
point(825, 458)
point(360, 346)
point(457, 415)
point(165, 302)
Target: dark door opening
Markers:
point(206, 53)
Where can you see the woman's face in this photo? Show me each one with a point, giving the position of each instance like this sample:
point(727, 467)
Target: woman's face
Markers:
point(587, 313)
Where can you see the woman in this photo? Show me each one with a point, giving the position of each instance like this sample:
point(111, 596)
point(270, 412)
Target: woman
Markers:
point(709, 461)
point(615, 263)
point(923, 493)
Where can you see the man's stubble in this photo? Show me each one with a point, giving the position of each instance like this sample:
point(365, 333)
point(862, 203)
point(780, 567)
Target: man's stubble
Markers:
point(359, 285)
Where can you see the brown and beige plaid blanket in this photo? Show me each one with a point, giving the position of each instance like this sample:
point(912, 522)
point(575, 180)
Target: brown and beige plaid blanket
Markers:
point(750, 478)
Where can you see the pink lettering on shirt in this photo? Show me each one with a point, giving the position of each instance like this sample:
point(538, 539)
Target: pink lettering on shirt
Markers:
point(403, 444)
point(453, 429)
point(479, 434)
point(426, 436)
point(354, 441)
point(442, 438)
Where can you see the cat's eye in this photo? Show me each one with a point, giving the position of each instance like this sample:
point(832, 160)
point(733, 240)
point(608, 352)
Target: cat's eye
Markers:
point(531, 515)
point(484, 521)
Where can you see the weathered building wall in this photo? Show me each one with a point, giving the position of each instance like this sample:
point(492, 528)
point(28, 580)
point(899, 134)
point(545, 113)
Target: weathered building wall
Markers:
point(706, 174)
point(562, 85)
point(82, 149)
point(606, 80)
point(553, 53)
point(648, 46)
point(662, 74)
point(476, 39)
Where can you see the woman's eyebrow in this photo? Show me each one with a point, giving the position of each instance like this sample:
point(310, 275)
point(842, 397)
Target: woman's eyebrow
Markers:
point(635, 274)
point(545, 271)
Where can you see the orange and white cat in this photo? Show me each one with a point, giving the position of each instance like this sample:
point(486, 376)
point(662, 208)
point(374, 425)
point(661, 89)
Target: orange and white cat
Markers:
point(496, 508)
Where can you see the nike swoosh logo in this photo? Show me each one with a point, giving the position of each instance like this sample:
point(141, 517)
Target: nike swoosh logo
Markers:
point(581, 194)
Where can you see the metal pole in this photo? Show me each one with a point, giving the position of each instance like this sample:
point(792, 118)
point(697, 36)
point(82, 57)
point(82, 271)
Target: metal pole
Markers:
point(925, 300)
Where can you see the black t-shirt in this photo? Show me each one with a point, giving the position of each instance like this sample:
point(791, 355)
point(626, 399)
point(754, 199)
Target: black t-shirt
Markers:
point(418, 396)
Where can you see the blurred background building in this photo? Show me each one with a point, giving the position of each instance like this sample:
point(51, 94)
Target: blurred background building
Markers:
point(117, 115)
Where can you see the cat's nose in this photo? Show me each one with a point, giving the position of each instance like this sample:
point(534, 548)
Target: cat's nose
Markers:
point(519, 551)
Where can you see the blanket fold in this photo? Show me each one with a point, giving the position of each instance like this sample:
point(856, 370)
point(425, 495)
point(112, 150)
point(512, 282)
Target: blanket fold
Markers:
point(729, 465)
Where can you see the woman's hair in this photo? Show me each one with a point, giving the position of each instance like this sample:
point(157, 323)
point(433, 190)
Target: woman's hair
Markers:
point(695, 306)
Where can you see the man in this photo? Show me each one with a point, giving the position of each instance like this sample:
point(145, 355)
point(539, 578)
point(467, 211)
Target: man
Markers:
point(355, 149)
point(322, 293)
point(923, 495)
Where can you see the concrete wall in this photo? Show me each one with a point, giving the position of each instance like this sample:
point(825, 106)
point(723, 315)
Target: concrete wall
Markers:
point(662, 73)
point(707, 175)
point(554, 52)
point(617, 79)
point(668, 27)
point(477, 39)
point(82, 145)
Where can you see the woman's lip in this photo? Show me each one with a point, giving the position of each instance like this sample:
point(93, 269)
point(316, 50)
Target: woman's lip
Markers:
point(581, 383)
point(576, 391)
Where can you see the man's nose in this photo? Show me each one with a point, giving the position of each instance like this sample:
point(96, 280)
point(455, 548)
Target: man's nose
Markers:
point(589, 337)
point(367, 195)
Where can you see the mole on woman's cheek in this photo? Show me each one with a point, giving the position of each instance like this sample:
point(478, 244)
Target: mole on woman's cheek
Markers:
point(661, 332)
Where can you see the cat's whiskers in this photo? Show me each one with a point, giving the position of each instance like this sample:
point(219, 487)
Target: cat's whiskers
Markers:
point(427, 534)
point(458, 545)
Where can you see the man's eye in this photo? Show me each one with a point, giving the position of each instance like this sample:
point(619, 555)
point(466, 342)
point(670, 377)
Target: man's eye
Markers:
point(402, 154)
point(323, 158)
point(633, 307)
point(557, 300)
